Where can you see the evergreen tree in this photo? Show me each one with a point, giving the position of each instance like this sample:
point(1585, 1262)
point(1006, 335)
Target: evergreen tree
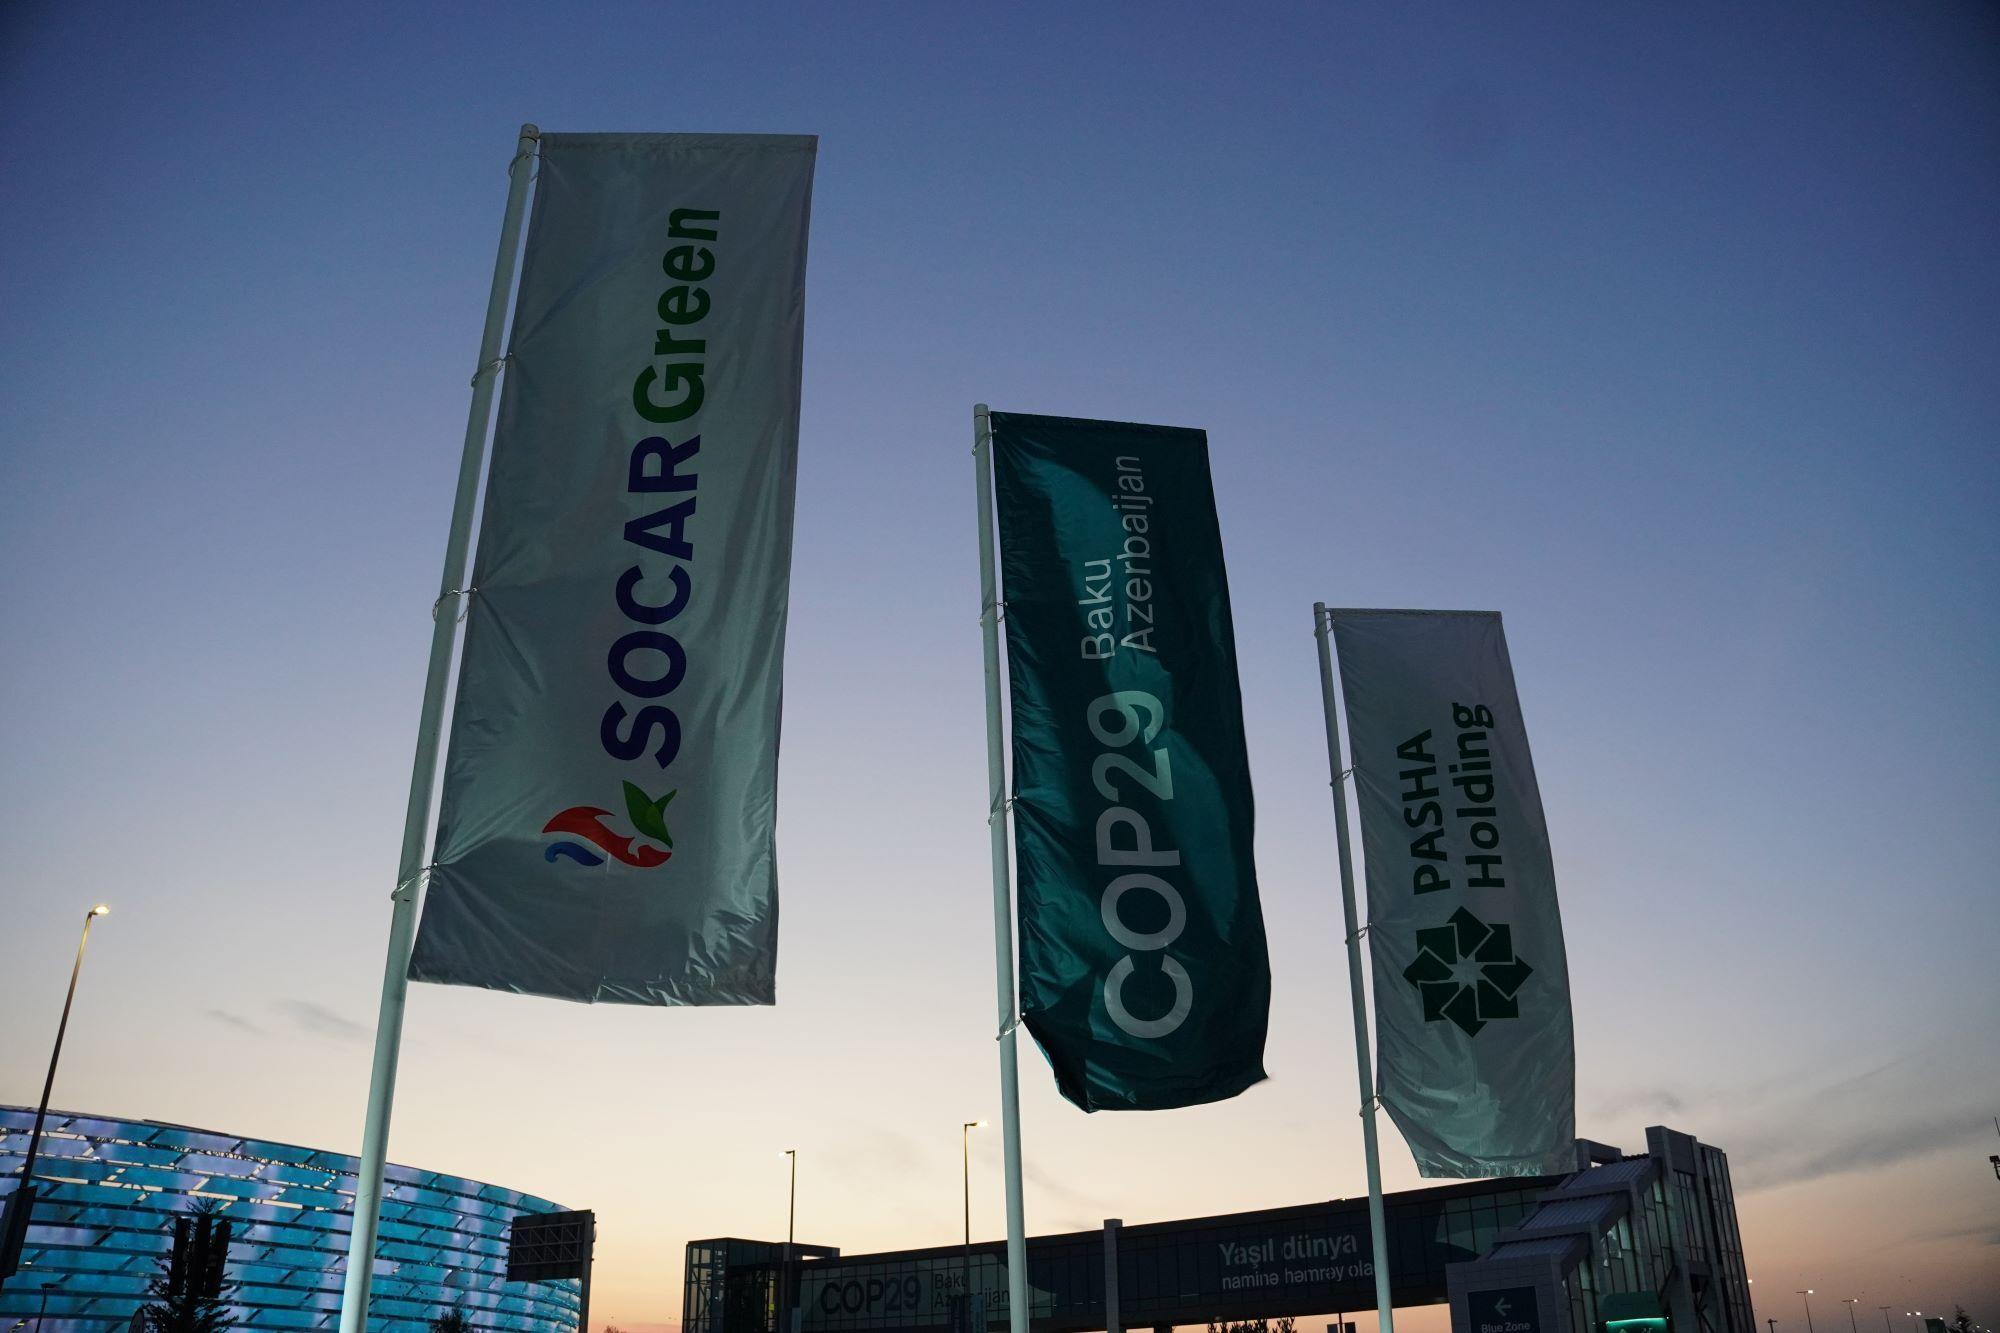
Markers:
point(451, 1321)
point(190, 1293)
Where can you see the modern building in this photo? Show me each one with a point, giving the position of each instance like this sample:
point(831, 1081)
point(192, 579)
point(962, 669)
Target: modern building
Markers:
point(1619, 1245)
point(110, 1191)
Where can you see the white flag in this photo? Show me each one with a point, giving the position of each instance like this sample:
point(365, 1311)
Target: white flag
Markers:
point(1476, 1059)
point(610, 797)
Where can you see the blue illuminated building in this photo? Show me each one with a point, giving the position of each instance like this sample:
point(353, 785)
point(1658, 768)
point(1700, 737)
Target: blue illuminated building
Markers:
point(111, 1189)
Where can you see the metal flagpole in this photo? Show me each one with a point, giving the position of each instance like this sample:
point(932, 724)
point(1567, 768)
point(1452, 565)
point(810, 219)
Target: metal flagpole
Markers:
point(1384, 1313)
point(1003, 908)
point(423, 774)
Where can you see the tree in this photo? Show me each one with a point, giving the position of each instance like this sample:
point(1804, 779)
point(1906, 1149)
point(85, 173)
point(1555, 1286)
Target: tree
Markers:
point(451, 1321)
point(190, 1292)
point(1961, 1322)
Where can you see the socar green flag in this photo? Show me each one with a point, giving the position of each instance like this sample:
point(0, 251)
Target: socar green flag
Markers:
point(608, 820)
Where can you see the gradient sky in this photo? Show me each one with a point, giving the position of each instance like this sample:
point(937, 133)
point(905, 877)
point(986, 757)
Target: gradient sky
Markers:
point(1668, 331)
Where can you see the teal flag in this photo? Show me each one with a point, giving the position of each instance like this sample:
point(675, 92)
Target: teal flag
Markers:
point(1143, 970)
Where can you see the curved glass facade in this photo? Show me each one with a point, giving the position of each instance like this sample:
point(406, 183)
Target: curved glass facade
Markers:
point(111, 1189)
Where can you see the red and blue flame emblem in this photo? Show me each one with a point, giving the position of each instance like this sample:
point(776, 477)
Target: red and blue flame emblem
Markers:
point(587, 822)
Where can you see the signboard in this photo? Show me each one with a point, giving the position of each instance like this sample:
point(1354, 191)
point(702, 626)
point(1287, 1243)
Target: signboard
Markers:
point(14, 1215)
point(928, 1292)
point(546, 1247)
point(1506, 1310)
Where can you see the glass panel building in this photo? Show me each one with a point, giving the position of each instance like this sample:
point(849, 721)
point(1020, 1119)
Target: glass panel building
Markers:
point(110, 1191)
point(1640, 1244)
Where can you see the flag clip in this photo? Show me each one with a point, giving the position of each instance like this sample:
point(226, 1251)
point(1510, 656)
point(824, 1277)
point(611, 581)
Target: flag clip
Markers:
point(490, 367)
point(452, 592)
point(407, 889)
point(1342, 776)
point(998, 808)
point(997, 610)
point(1007, 1028)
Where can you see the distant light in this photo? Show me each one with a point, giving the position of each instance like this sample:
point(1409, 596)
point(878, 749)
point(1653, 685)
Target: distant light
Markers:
point(100, 910)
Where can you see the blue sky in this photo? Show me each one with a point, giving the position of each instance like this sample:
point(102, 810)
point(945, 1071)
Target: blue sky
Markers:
point(1668, 332)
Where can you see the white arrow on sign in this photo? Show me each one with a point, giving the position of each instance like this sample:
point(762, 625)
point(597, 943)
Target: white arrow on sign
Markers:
point(1500, 1307)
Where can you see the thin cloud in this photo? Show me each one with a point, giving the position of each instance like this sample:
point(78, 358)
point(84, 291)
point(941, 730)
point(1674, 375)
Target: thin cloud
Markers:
point(1800, 1155)
point(1051, 1184)
point(322, 1021)
point(1649, 1101)
point(237, 1021)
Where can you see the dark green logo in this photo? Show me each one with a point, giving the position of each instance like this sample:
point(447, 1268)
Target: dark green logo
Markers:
point(1466, 971)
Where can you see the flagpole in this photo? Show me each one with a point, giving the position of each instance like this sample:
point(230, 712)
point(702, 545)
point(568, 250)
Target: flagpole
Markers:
point(1003, 908)
point(423, 774)
point(1384, 1313)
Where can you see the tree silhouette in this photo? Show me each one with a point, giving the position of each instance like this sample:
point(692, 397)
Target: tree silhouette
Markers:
point(191, 1291)
point(451, 1321)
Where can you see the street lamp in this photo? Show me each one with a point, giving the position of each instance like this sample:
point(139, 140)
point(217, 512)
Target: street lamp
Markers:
point(1806, 1296)
point(48, 1084)
point(965, 1160)
point(965, 1155)
point(1849, 1301)
point(791, 1222)
point(1886, 1328)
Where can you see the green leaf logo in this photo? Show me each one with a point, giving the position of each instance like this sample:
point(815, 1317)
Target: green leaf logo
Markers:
point(647, 814)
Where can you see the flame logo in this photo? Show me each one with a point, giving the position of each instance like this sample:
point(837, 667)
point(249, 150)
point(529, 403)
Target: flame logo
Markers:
point(587, 822)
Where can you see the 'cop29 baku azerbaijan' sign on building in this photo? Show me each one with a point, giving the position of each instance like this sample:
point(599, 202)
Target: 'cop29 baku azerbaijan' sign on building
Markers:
point(1143, 969)
point(607, 825)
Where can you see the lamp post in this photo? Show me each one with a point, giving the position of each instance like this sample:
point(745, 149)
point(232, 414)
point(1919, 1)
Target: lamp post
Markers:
point(965, 1161)
point(1849, 1301)
point(48, 1084)
point(1886, 1327)
point(791, 1222)
point(43, 1313)
point(1806, 1296)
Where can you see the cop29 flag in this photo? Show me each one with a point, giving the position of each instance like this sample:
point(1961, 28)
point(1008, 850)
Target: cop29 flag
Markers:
point(1143, 970)
point(609, 805)
point(1476, 1061)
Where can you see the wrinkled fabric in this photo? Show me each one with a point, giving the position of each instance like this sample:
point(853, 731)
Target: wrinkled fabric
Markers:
point(1475, 1056)
point(630, 586)
point(1144, 976)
